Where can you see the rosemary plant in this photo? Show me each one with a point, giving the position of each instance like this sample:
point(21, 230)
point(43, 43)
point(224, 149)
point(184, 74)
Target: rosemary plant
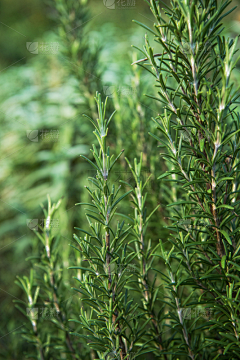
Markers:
point(81, 54)
point(177, 298)
point(45, 308)
point(199, 128)
point(148, 288)
point(105, 281)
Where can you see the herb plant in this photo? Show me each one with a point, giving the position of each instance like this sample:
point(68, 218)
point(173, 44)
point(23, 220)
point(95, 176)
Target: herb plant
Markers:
point(199, 128)
point(176, 296)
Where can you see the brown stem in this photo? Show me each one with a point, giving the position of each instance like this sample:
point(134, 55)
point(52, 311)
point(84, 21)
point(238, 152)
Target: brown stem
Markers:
point(220, 248)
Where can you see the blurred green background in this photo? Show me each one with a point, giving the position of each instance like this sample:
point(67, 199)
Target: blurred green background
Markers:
point(39, 92)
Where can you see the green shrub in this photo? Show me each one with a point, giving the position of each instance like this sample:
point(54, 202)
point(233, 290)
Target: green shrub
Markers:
point(176, 298)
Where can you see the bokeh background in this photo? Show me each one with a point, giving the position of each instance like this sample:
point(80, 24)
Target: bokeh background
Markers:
point(42, 98)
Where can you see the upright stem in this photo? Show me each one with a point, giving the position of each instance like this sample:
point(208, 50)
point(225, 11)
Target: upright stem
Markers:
point(35, 330)
point(144, 277)
point(123, 351)
point(179, 311)
point(220, 249)
point(55, 297)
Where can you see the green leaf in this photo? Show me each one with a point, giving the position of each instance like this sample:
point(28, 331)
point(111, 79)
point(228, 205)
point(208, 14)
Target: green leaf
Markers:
point(226, 236)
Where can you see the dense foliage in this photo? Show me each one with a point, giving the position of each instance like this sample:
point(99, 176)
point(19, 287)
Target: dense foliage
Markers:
point(141, 290)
